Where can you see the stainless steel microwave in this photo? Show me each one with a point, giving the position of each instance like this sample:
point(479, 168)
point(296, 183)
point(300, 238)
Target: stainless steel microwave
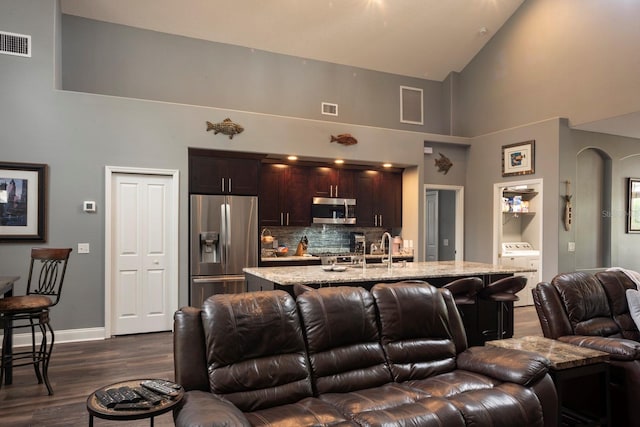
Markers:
point(332, 210)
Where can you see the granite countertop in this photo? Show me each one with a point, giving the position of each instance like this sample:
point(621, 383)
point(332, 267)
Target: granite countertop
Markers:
point(560, 354)
point(314, 274)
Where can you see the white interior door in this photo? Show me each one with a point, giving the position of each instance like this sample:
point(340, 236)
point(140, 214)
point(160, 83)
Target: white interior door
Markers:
point(143, 253)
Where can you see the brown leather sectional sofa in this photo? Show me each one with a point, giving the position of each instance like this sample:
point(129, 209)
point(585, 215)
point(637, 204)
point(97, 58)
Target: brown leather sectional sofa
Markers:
point(592, 311)
point(343, 356)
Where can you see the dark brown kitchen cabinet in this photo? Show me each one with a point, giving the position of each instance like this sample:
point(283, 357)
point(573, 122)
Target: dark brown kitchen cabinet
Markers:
point(284, 196)
point(390, 191)
point(366, 209)
point(332, 182)
point(211, 174)
point(379, 199)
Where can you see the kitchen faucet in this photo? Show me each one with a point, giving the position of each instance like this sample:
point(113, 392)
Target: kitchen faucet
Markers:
point(364, 255)
point(390, 259)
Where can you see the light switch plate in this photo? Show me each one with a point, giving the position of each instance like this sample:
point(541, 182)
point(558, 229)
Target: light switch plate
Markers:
point(83, 248)
point(571, 247)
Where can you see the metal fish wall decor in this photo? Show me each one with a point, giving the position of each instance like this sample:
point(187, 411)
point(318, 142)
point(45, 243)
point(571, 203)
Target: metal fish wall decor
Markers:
point(443, 163)
point(344, 139)
point(226, 127)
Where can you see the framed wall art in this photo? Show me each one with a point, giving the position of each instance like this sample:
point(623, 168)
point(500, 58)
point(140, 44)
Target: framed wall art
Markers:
point(633, 205)
point(22, 202)
point(518, 159)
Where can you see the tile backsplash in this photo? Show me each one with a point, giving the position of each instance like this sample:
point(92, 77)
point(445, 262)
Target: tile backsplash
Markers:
point(323, 238)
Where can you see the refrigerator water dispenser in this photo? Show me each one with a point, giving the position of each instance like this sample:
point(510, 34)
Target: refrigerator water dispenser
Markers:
point(209, 251)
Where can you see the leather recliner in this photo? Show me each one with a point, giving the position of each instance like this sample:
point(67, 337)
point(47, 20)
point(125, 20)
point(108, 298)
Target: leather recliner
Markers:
point(343, 356)
point(591, 311)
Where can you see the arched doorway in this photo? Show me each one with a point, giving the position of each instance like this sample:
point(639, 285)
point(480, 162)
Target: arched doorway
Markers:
point(592, 199)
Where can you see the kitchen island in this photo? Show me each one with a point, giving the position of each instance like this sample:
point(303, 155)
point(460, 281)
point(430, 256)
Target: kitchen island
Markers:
point(478, 319)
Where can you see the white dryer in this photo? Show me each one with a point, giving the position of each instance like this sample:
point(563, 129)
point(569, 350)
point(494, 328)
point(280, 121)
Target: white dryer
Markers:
point(522, 254)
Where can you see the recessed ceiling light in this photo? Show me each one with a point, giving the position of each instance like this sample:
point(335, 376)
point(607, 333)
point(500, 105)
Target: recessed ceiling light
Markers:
point(386, 165)
point(338, 161)
point(292, 158)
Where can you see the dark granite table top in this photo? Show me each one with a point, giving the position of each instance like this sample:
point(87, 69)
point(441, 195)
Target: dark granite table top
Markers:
point(561, 355)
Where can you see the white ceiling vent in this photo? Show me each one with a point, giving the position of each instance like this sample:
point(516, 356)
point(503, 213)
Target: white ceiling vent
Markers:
point(329, 109)
point(15, 44)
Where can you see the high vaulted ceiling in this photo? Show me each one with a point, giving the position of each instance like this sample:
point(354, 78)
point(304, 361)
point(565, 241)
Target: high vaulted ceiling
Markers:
point(419, 38)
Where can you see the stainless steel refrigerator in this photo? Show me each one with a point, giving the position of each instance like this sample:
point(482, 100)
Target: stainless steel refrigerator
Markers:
point(224, 240)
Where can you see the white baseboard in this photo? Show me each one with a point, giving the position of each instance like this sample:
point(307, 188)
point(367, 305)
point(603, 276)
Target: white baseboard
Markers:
point(67, 335)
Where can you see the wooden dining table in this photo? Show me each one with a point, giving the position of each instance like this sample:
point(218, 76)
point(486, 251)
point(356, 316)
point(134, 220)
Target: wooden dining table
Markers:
point(6, 290)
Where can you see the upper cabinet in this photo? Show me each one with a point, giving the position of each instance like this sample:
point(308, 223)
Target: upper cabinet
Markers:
point(209, 173)
point(391, 195)
point(284, 196)
point(332, 182)
point(286, 191)
point(379, 199)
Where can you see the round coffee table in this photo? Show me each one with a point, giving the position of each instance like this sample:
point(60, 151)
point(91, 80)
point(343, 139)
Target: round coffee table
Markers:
point(97, 410)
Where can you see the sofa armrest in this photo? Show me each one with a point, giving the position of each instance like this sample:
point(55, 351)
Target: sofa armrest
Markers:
point(204, 409)
point(618, 348)
point(189, 354)
point(515, 366)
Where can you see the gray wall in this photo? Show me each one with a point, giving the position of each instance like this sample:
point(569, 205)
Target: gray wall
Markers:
point(111, 59)
point(591, 196)
point(484, 170)
point(78, 134)
point(623, 156)
point(572, 58)
point(458, 155)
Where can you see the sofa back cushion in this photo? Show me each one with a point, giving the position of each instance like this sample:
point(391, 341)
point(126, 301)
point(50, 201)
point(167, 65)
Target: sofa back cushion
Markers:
point(615, 284)
point(342, 339)
point(255, 349)
point(586, 304)
point(415, 330)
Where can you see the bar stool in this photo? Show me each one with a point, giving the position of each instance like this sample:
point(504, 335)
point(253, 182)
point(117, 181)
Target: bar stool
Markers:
point(464, 290)
point(501, 292)
point(44, 285)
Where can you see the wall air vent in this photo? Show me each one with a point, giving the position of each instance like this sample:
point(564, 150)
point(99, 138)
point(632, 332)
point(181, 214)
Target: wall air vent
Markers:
point(15, 44)
point(329, 109)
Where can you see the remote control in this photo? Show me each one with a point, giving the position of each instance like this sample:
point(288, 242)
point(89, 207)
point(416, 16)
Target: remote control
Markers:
point(129, 395)
point(148, 395)
point(115, 395)
point(159, 388)
point(105, 399)
point(169, 384)
point(130, 406)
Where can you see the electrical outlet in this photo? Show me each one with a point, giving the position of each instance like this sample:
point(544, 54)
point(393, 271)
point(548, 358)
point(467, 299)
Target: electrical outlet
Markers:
point(83, 248)
point(445, 242)
point(571, 246)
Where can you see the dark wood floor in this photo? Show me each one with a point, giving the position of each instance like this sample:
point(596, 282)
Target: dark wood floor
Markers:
point(526, 322)
point(77, 369)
